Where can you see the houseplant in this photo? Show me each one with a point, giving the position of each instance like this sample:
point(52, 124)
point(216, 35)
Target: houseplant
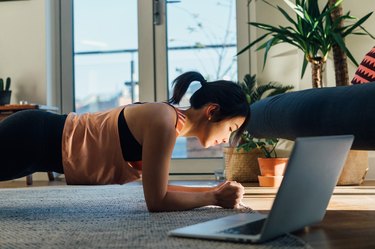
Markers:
point(271, 166)
point(241, 161)
point(312, 31)
point(5, 91)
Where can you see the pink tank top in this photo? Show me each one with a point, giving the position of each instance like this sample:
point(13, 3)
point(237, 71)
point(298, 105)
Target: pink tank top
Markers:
point(91, 149)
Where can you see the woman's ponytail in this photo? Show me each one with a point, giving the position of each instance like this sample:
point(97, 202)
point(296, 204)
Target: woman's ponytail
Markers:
point(182, 83)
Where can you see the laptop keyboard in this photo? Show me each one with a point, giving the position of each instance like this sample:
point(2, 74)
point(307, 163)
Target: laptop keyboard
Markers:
point(251, 228)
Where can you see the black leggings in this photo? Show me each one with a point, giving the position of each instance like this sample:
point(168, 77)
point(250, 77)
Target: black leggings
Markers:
point(318, 112)
point(30, 141)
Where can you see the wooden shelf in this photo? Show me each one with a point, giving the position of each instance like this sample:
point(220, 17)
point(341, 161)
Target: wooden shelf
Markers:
point(18, 107)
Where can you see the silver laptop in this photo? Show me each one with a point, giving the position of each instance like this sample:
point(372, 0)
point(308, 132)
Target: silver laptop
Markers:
point(310, 178)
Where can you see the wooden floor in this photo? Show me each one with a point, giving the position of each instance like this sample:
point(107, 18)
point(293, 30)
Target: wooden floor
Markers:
point(349, 221)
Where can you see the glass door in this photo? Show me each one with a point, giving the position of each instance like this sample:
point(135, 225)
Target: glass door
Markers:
point(201, 36)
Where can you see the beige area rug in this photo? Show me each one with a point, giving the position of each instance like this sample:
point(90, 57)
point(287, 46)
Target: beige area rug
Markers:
point(102, 217)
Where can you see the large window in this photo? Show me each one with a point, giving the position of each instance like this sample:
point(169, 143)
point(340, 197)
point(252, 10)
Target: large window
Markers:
point(127, 51)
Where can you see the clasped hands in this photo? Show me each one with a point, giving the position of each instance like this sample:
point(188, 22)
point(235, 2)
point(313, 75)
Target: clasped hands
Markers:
point(229, 194)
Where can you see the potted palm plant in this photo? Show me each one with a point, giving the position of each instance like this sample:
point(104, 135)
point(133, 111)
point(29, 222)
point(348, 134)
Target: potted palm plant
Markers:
point(5, 91)
point(241, 161)
point(312, 31)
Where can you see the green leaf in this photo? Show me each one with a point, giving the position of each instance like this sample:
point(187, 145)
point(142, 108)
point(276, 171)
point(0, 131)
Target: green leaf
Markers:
point(308, 19)
point(252, 44)
point(250, 82)
point(286, 15)
point(338, 2)
point(341, 44)
point(357, 24)
point(269, 45)
point(367, 32)
point(264, 26)
point(313, 8)
point(294, 8)
point(362, 33)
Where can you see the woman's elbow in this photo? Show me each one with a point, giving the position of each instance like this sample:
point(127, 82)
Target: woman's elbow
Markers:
point(157, 201)
point(155, 207)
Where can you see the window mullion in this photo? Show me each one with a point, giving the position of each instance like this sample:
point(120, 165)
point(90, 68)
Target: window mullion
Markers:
point(146, 54)
point(161, 61)
point(66, 56)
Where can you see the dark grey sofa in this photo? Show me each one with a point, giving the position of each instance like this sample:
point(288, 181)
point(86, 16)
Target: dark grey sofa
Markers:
point(318, 112)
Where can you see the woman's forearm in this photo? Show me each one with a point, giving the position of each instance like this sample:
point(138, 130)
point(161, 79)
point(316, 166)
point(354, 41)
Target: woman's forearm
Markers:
point(190, 189)
point(226, 195)
point(183, 200)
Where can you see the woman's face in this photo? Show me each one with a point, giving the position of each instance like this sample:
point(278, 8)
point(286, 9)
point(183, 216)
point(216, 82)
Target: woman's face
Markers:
point(219, 132)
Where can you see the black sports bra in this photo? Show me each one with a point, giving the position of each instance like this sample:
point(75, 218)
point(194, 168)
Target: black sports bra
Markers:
point(131, 149)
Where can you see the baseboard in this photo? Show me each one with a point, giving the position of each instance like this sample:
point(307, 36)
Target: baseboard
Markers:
point(36, 177)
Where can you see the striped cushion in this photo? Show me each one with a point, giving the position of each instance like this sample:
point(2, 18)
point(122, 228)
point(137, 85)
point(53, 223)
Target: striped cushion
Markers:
point(366, 70)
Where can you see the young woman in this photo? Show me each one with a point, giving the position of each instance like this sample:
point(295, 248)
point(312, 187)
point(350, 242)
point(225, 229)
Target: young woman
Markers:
point(120, 145)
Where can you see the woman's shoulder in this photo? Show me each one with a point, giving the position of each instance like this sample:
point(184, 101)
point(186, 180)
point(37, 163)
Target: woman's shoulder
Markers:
point(159, 108)
point(155, 113)
point(158, 121)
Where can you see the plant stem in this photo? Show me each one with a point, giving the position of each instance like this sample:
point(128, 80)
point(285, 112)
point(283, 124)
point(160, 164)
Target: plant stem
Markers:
point(317, 66)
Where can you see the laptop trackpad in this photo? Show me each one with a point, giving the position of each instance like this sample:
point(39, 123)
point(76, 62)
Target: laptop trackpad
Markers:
point(251, 228)
point(228, 223)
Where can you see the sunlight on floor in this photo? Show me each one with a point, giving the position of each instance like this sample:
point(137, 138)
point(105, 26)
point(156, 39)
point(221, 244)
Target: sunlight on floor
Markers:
point(344, 198)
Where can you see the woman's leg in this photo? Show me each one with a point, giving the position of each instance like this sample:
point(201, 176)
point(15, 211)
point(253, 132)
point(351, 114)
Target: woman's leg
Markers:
point(30, 141)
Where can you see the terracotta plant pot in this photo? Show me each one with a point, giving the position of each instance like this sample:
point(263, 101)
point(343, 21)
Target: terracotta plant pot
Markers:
point(272, 166)
point(272, 171)
point(270, 181)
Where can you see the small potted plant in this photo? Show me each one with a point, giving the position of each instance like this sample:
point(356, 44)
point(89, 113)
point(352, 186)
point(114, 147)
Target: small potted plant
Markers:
point(271, 166)
point(241, 161)
point(5, 91)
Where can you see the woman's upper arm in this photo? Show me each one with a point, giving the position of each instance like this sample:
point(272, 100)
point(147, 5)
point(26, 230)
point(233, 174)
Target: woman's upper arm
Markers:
point(159, 138)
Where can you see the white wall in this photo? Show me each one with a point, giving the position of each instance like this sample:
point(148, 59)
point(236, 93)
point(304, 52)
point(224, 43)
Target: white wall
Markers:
point(23, 49)
point(284, 61)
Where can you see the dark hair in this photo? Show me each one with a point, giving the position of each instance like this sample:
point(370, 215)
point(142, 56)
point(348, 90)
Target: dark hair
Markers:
point(227, 94)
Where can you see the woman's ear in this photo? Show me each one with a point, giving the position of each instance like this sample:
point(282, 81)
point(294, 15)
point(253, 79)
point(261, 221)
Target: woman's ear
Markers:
point(211, 110)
